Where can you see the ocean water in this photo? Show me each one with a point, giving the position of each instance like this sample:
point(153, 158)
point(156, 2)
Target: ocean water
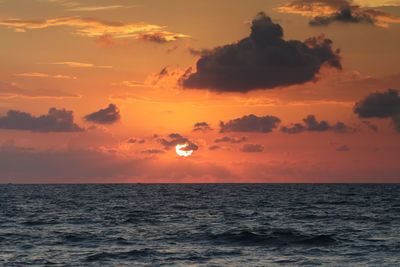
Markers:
point(200, 225)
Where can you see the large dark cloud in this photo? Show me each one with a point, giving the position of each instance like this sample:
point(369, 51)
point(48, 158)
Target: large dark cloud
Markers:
point(108, 115)
point(56, 120)
point(252, 148)
point(310, 123)
point(251, 123)
point(177, 139)
point(264, 60)
point(380, 105)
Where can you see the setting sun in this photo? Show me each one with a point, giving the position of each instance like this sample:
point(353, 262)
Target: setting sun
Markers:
point(181, 152)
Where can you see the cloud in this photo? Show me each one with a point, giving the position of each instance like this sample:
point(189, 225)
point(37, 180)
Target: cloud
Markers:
point(250, 123)
point(201, 127)
point(229, 139)
point(343, 148)
point(76, 6)
point(396, 122)
point(371, 126)
point(377, 3)
point(56, 120)
point(90, 27)
point(311, 124)
point(161, 37)
point(198, 52)
point(12, 90)
point(108, 115)
point(136, 141)
point(264, 60)
point(252, 148)
point(322, 171)
point(214, 147)
point(75, 64)
point(323, 13)
point(177, 139)
point(294, 128)
point(21, 165)
point(380, 105)
point(132, 83)
point(95, 8)
point(345, 15)
point(44, 75)
point(153, 151)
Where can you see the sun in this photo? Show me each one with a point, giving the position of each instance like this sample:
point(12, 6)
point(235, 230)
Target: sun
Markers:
point(183, 153)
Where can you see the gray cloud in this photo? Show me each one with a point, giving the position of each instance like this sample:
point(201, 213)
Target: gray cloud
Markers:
point(56, 120)
point(201, 127)
point(198, 52)
point(229, 139)
point(344, 15)
point(294, 128)
point(380, 105)
point(153, 151)
point(326, 12)
point(214, 147)
point(396, 122)
point(136, 141)
point(108, 115)
point(252, 148)
point(343, 148)
point(311, 124)
point(23, 165)
point(250, 123)
point(264, 60)
point(371, 126)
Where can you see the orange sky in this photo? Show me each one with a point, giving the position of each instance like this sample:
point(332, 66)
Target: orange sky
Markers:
point(91, 91)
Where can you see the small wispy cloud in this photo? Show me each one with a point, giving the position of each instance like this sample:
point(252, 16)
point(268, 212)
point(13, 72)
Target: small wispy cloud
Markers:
point(97, 8)
point(323, 13)
point(132, 84)
point(44, 75)
point(72, 5)
point(75, 64)
point(91, 27)
point(13, 90)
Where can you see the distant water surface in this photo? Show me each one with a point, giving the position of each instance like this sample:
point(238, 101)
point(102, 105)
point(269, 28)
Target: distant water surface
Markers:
point(206, 225)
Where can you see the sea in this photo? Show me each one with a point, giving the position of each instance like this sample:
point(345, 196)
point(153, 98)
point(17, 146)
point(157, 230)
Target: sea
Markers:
point(200, 225)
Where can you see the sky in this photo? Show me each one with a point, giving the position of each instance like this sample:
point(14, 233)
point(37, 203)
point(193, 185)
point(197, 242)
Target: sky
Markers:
point(177, 91)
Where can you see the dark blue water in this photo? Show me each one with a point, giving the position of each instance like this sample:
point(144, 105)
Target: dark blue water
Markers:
point(208, 225)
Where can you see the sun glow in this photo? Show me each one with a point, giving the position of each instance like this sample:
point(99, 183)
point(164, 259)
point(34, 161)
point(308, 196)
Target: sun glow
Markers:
point(183, 153)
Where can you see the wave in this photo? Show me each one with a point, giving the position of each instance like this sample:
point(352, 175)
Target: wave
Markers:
point(38, 223)
point(272, 238)
point(125, 255)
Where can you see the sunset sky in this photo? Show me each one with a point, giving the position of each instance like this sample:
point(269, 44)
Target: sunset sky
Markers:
point(258, 91)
